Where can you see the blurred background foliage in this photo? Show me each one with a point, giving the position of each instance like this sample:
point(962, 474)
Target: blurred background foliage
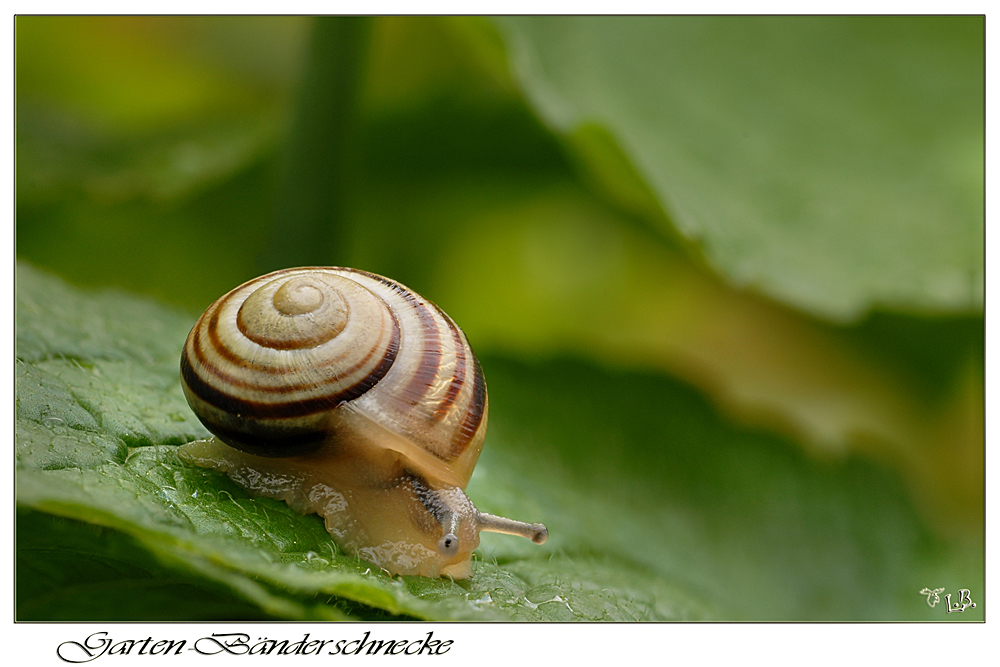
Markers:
point(785, 214)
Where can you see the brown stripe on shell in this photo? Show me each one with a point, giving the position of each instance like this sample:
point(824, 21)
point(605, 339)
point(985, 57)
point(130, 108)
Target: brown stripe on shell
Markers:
point(430, 361)
point(273, 442)
point(297, 344)
point(229, 403)
point(430, 364)
point(396, 287)
point(223, 352)
point(474, 412)
point(458, 378)
point(476, 407)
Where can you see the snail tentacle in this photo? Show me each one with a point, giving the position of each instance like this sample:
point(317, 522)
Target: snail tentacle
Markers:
point(535, 532)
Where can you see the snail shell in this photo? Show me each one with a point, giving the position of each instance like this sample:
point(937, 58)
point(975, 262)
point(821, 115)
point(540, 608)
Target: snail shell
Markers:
point(346, 394)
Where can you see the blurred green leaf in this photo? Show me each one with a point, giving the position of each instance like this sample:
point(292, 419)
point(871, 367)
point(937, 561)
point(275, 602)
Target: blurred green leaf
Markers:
point(542, 268)
point(140, 141)
point(657, 507)
point(464, 196)
point(133, 74)
point(833, 163)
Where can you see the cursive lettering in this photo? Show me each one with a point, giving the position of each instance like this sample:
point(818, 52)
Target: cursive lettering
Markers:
point(100, 644)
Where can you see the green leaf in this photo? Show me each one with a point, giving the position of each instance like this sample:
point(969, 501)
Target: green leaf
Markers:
point(832, 163)
point(543, 269)
point(74, 571)
point(658, 508)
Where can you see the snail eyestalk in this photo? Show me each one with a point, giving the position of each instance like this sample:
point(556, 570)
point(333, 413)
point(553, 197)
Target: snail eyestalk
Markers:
point(449, 542)
point(535, 532)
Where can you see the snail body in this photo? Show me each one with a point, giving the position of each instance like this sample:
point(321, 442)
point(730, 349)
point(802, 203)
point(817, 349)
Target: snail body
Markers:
point(345, 394)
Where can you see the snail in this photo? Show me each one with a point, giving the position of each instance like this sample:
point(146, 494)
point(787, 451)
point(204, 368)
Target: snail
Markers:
point(345, 394)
